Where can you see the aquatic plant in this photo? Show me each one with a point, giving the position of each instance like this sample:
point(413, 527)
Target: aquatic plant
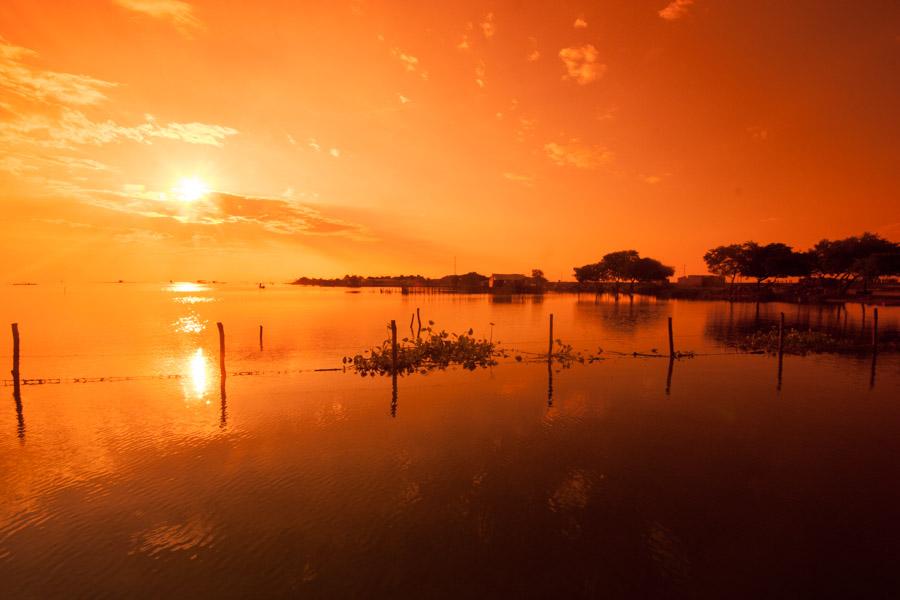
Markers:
point(428, 351)
point(808, 342)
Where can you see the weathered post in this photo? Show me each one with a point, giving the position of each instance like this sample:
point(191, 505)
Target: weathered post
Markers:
point(412, 319)
point(419, 320)
point(15, 367)
point(260, 338)
point(780, 349)
point(550, 347)
point(781, 335)
point(221, 349)
point(671, 340)
point(393, 346)
point(875, 331)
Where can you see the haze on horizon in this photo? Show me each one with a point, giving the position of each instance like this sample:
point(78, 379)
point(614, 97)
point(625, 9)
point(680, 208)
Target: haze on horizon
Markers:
point(175, 139)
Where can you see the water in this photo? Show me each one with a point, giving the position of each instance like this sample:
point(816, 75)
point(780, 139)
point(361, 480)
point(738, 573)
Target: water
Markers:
point(616, 479)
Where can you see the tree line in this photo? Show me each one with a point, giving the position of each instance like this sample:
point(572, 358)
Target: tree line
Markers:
point(841, 262)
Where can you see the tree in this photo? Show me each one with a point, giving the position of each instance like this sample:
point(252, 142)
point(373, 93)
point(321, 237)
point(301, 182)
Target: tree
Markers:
point(624, 266)
point(866, 257)
point(771, 261)
point(650, 269)
point(725, 261)
point(591, 272)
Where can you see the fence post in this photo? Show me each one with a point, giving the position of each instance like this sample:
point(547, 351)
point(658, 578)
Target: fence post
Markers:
point(875, 331)
point(260, 338)
point(550, 347)
point(671, 340)
point(393, 345)
point(221, 329)
point(781, 335)
point(15, 367)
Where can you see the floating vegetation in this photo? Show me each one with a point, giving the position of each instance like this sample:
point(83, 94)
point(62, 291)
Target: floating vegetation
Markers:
point(809, 342)
point(431, 350)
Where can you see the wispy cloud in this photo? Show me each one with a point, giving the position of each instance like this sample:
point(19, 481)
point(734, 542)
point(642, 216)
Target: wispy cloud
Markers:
point(487, 26)
point(480, 73)
point(39, 85)
point(410, 63)
point(581, 64)
point(72, 127)
point(526, 180)
point(535, 54)
point(277, 215)
point(576, 154)
point(580, 23)
point(675, 9)
point(178, 12)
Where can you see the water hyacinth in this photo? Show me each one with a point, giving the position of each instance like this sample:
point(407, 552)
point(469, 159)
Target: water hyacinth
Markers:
point(431, 350)
point(808, 342)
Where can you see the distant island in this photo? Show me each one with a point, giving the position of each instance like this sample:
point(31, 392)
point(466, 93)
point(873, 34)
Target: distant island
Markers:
point(857, 268)
point(472, 282)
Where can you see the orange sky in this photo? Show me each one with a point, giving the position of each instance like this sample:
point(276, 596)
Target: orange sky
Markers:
point(390, 137)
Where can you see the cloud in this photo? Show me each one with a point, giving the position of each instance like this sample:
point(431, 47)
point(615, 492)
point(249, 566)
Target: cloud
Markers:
point(675, 9)
point(578, 155)
point(480, 72)
point(760, 134)
point(282, 216)
point(46, 86)
point(403, 99)
point(580, 23)
point(581, 64)
point(72, 127)
point(526, 180)
point(487, 26)
point(533, 56)
point(180, 13)
point(652, 179)
point(410, 62)
point(335, 152)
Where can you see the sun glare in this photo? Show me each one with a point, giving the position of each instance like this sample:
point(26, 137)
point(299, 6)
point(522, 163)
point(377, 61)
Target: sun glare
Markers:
point(190, 189)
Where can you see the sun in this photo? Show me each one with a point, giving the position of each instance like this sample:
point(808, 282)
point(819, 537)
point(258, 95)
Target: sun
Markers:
point(190, 189)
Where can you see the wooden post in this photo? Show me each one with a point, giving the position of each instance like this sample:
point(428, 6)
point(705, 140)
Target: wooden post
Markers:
point(875, 331)
point(671, 340)
point(550, 347)
point(221, 349)
point(393, 345)
point(781, 335)
point(15, 367)
point(412, 319)
point(419, 319)
point(260, 338)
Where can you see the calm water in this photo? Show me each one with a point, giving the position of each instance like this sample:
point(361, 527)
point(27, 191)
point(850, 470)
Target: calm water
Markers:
point(614, 479)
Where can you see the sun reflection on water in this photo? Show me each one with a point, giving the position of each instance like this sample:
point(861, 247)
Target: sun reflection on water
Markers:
point(186, 287)
point(197, 372)
point(189, 324)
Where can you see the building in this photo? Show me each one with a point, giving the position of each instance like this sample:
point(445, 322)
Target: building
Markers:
point(512, 283)
point(701, 281)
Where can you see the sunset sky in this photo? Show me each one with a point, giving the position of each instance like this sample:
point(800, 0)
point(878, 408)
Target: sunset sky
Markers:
point(186, 139)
